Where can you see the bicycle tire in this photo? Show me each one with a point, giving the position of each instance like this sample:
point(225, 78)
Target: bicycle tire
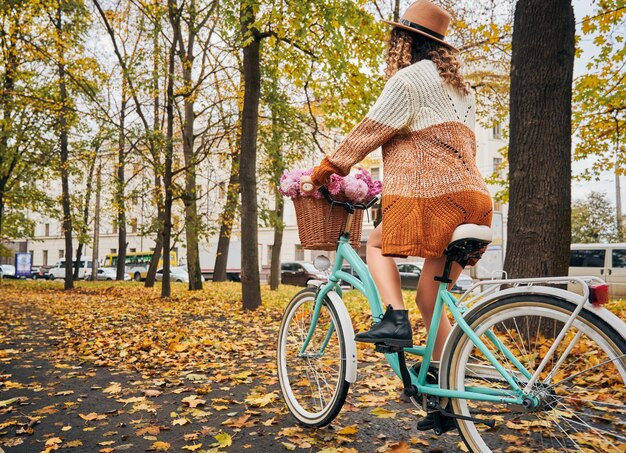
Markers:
point(595, 332)
point(289, 382)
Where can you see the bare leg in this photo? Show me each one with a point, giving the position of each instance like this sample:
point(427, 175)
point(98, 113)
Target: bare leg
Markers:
point(384, 271)
point(427, 288)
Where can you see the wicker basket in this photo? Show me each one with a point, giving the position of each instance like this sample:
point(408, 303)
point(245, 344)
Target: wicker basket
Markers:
point(319, 225)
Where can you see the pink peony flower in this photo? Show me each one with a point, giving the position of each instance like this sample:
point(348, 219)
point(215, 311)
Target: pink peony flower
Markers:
point(336, 185)
point(357, 188)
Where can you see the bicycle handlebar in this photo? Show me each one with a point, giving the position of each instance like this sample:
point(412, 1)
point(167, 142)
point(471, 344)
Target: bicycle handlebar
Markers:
point(350, 207)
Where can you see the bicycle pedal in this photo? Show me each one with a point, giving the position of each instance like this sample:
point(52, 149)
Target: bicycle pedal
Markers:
point(443, 423)
point(387, 349)
point(443, 413)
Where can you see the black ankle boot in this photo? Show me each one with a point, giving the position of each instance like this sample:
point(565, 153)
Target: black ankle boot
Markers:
point(393, 330)
point(428, 422)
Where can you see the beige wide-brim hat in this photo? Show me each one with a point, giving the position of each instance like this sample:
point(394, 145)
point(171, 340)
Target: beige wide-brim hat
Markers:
point(427, 19)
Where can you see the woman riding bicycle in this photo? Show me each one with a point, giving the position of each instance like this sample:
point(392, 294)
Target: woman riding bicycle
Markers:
point(424, 121)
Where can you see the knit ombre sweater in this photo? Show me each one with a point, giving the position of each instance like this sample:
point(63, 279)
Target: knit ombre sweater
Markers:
point(431, 182)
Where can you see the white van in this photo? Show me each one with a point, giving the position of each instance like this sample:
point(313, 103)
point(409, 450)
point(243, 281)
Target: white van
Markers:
point(607, 261)
point(58, 271)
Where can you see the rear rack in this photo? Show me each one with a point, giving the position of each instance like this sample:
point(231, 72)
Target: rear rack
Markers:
point(488, 287)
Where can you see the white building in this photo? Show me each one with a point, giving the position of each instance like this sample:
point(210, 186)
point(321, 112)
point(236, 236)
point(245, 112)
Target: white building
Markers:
point(48, 245)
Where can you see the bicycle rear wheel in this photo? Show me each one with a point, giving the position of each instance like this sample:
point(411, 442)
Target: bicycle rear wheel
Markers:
point(313, 383)
point(581, 391)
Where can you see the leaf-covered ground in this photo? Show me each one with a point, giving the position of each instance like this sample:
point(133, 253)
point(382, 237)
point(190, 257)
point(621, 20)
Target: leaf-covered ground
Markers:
point(111, 367)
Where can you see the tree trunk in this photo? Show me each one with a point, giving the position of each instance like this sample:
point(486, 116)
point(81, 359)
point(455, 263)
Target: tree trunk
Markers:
point(96, 226)
point(86, 201)
point(192, 222)
point(6, 101)
point(65, 186)
point(539, 230)
point(158, 246)
point(119, 189)
point(156, 128)
point(278, 166)
point(250, 279)
point(228, 218)
point(278, 242)
point(167, 178)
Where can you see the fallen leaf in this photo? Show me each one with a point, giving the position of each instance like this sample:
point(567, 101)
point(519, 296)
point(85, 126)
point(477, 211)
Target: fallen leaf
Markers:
point(193, 401)
point(115, 387)
point(223, 440)
point(92, 416)
point(151, 393)
point(261, 400)
point(349, 430)
point(159, 446)
point(381, 412)
point(64, 393)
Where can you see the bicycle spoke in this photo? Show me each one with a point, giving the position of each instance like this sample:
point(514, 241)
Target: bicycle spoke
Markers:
point(579, 392)
point(311, 380)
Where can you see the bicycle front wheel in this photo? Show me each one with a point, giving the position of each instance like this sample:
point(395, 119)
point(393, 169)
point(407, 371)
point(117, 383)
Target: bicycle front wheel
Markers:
point(580, 395)
point(313, 381)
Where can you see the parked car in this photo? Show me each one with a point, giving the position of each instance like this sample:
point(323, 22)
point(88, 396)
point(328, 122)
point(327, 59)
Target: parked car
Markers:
point(39, 273)
point(462, 284)
point(409, 275)
point(58, 271)
point(177, 274)
point(299, 273)
point(348, 270)
point(606, 261)
point(106, 273)
point(8, 271)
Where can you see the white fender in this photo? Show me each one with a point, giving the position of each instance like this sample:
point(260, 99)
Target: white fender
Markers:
point(348, 331)
point(569, 296)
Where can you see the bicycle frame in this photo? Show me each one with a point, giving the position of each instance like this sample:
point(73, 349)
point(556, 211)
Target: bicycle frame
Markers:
point(366, 285)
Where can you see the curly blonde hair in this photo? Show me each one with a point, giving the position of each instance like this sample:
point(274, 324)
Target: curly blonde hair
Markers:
point(406, 48)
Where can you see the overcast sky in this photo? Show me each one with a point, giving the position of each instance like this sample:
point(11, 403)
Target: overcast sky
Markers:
point(607, 179)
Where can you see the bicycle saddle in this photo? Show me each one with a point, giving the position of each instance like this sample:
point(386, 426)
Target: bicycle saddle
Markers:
point(468, 242)
point(481, 233)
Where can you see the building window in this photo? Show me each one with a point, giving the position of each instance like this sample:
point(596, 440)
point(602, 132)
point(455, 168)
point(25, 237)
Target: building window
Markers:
point(113, 251)
point(497, 131)
point(269, 254)
point(46, 229)
point(132, 250)
point(45, 258)
point(375, 173)
point(114, 226)
point(222, 189)
point(299, 252)
point(497, 164)
point(133, 225)
point(61, 254)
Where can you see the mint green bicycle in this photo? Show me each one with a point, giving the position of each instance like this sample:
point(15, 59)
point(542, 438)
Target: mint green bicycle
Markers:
point(524, 358)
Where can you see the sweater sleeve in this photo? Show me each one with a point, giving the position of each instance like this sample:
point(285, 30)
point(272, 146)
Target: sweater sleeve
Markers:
point(387, 117)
